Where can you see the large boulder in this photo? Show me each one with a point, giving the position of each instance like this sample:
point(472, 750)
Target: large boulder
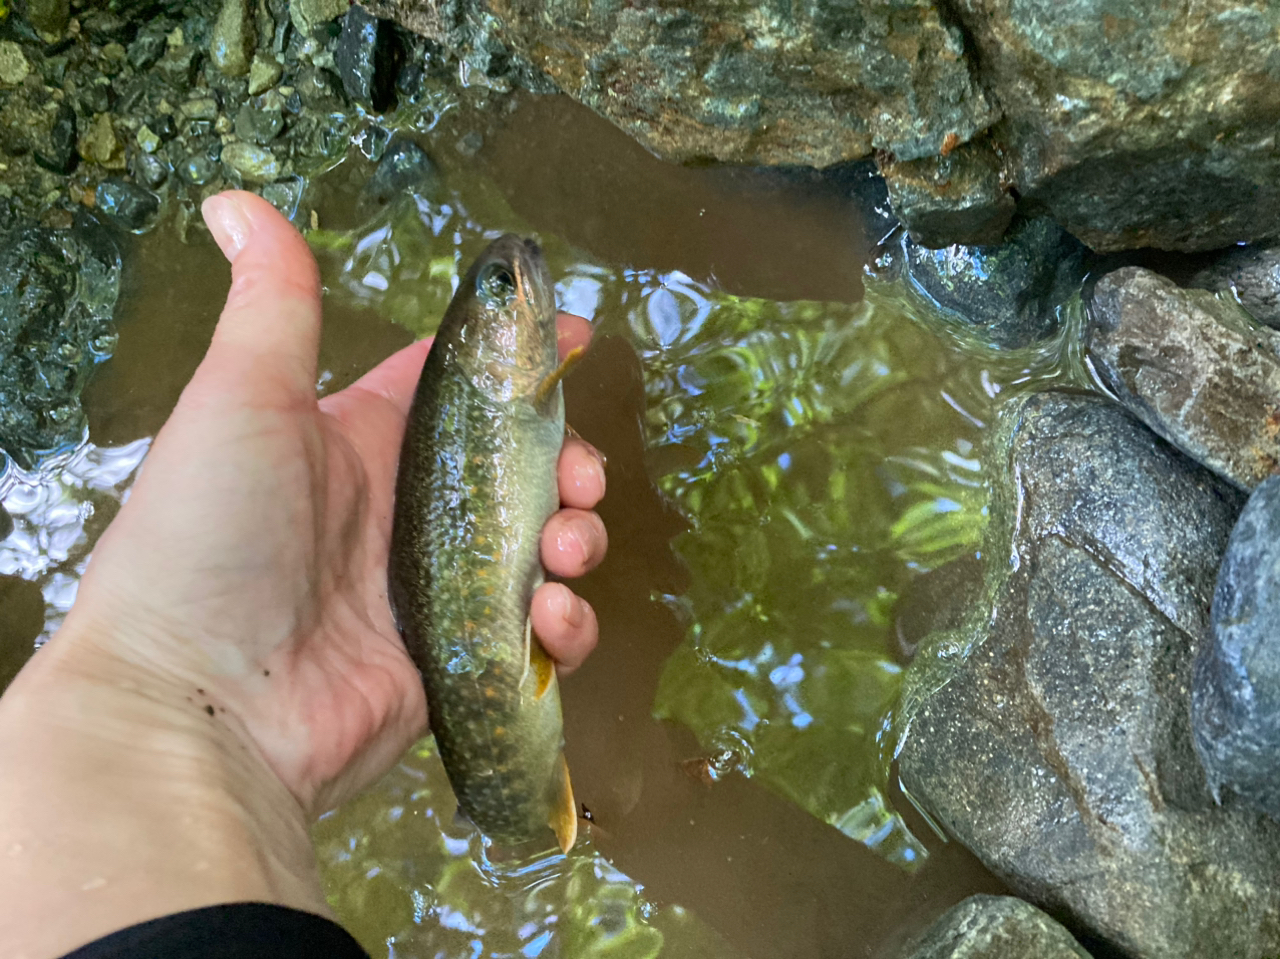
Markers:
point(1138, 124)
point(1051, 735)
point(996, 927)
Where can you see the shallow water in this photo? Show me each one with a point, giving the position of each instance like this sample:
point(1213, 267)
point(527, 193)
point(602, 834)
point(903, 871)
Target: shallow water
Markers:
point(787, 451)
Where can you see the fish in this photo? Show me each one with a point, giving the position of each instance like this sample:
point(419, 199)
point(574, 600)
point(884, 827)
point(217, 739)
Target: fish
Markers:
point(476, 482)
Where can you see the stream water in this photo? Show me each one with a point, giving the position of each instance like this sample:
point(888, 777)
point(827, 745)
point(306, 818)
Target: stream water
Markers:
point(790, 447)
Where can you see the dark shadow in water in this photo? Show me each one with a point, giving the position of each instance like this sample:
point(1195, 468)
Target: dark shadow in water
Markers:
point(21, 621)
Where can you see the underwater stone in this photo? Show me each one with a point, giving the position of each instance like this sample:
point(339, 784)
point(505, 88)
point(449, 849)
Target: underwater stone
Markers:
point(60, 155)
point(309, 14)
point(954, 199)
point(1194, 367)
point(127, 205)
point(13, 64)
point(258, 124)
point(1252, 275)
point(404, 168)
point(149, 169)
point(1052, 735)
point(1006, 295)
point(1235, 693)
point(996, 927)
point(255, 164)
point(264, 73)
point(100, 145)
point(146, 48)
point(197, 169)
point(367, 59)
point(234, 35)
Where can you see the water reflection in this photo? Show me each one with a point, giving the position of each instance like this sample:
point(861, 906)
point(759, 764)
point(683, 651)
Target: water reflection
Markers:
point(58, 511)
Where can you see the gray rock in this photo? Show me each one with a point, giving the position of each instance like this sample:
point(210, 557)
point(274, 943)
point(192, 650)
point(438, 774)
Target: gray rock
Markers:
point(57, 294)
point(1052, 734)
point(1194, 367)
point(147, 47)
point(367, 59)
point(259, 125)
point(954, 199)
point(59, 155)
point(197, 169)
point(996, 927)
point(149, 169)
point(128, 205)
point(1007, 295)
point(254, 163)
point(404, 168)
point(1235, 693)
point(1252, 275)
point(234, 36)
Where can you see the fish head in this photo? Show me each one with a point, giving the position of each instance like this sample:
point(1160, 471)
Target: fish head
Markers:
point(505, 339)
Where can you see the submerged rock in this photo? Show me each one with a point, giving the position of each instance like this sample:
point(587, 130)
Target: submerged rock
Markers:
point(57, 294)
point(1236, 688)
point(59, 156)
point(1052, 734)
point(234, 36)
point(1007, 295)
point(1252, 275)
point(404, 168)
point(1194, 367)
point(254, 163)
point(127, 205)
point(996, 927)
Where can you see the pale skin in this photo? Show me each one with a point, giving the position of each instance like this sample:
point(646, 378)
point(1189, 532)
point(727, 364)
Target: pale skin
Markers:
point(245, 576)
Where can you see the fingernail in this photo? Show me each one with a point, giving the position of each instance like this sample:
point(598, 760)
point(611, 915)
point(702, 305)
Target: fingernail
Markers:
point(572, 609)
point(228, 224)
point(604, 460)
point(576, 537)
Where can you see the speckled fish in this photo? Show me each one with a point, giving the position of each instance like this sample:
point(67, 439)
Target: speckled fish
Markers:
point(476, 483)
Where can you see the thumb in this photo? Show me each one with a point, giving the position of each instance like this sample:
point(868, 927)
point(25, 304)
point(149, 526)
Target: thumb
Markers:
point(267, 338)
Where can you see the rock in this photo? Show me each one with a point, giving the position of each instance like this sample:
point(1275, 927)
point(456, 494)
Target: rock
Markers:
point(147, 47)
point(1235, 693)
point(57, 293)
point(49, 16)
point(367, 59)
point(197, 169)
point(404, 168)
point(1051, 735)
point(285, 195)
point(871, 194)
point(127, 205)
point(1008, 295)
point(810, 84)
point(954, 199)
point(13, 64)
point(1252, 275)
point(996, 927)
point(264, 73)
point(148, 140)
point(150, 170)
point(254, 163)
point(99, 144)
point(258, 124)
point(1193, 367)
point(200, 108)
point(234, 36)
point(309, 14)
point(936, 601)
point(60, 155)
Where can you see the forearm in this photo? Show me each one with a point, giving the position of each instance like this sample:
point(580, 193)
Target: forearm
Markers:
point(122, 799)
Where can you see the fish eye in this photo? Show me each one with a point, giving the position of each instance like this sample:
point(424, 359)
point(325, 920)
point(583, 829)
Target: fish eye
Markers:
point(496, 284)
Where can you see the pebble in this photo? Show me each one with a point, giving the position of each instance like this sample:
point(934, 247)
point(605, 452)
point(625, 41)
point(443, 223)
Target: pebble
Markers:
point(147, 139)
point(234, 36)
point(258, 125)
point(100, 145)
point(13, 64)
point(61, 156)
point(252, 162)
point(308, 14)
point(127, 204)
point(264, 73)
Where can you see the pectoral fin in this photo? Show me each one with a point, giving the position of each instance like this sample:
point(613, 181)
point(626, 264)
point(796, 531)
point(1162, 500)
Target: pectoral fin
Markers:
point(564, 811)
point(544, 670)
point(548, 385)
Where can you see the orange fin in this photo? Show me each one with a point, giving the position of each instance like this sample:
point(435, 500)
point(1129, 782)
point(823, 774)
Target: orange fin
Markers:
point(564, 811)
point(548, 386)
point(544, 670)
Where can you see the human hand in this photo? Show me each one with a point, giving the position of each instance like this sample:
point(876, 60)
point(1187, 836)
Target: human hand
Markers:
point(248, 567)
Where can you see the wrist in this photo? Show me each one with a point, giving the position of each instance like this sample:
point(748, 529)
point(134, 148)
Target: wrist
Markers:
point(126, 797)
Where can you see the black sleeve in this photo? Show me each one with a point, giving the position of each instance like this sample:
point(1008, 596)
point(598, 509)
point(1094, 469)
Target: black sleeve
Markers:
point(242, 930)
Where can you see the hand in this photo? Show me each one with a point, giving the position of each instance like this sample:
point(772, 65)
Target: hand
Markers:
point(250, 560)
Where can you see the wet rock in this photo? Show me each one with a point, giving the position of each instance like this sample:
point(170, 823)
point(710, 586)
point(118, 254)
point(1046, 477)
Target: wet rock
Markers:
point(367, 59)
point(309, 14)
point(258, 124)
point(1051, 735)
point(127, 205)
point(14, 67)
point(197, 169)
point(255, 164)
point(469, 144)
point(811, 84)
point(285, 195)
point(1236, 687)
point(871, 194)
point(150, 170)
point(57, 293)
point(146, 48)
point(1006, 295)
point(100, 145)
point(1194, 367)
point(1252, 275)
point(954, 199)
point(234, 37)
point(201, 108)
point(104, 26)
point(996, 927)
point(264, 73)
point(59, 156)
point(49, 16)
point(404, 168)
point(936, 601)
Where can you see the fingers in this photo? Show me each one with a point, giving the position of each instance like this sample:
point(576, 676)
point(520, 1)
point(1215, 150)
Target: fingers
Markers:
point(269, 332)
point(574, 542)
point(571, 332)
point(580, 474)
point(565, 625)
